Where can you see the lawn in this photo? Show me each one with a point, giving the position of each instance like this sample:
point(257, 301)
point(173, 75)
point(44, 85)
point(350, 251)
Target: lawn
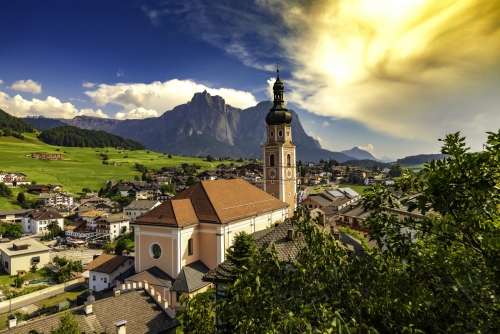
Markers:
point(66, 296)
point(356, 188)
point(81, 167)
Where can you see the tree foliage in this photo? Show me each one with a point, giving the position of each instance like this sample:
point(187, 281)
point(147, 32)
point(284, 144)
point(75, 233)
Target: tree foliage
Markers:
point(75, 137)
point(5, 191)
point(396, 170)
point(10, 124)
point(436, 274)
point(68, 324)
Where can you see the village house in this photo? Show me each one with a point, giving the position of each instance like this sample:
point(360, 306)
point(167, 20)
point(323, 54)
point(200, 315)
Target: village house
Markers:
point(91, 218)
point(78, 229)
point(37, 221)
point(164, 197)
point(137, 208)
point(112, 225)
point(369, 181)
point(105, 268)
point(198, 225)
point(316, 201)
point(146, 192)
point(160, 180)
point(13, 215)
point(56, 199)
point(46, 156)
point(14, 179)
point(44, 188)
point(207, 176)
point(19, 255)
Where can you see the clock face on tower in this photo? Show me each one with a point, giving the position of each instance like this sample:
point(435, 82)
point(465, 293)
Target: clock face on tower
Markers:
point(272, 173)
point(289, 173)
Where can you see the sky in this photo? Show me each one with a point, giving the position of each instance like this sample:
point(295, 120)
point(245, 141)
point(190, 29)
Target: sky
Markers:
point(388, 76)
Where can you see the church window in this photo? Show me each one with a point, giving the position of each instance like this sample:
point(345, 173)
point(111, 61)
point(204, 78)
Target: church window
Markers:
point(271, 160)
point(280, 133)
point(155, 251)
point(271, 134)
point(190, 246)
point(288, 163)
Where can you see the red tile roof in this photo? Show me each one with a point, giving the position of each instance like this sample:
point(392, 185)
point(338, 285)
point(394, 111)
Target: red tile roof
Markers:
point(219, 201)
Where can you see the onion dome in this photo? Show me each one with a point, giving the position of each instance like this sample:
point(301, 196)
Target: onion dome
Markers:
point(279, 113)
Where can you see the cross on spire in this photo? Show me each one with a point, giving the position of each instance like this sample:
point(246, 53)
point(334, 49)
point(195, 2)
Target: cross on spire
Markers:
point(278, 67)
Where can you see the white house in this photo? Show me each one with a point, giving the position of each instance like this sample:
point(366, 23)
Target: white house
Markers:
point(14, 179)
point(36, 221)
point(137, 208)
point(79, 229)
point(52, 199)
point(112, 224)
point(104, 270)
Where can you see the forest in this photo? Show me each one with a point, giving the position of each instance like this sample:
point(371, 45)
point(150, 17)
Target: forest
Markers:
point(420, 159)
point(10, 125)
point(75, 137)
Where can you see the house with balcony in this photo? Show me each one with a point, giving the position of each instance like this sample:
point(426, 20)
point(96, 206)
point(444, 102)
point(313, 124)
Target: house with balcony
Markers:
point(105, 268)
point(137, 208)
point(37, 221)
point(56, 199)
point(112, 225)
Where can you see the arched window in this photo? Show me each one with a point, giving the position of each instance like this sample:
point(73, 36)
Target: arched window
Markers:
point(271, 160)
point(280, 133)
point(271, 134)
point(288, 163)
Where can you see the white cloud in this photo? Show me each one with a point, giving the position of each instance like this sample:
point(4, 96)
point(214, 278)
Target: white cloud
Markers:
point(368, 148)
point(325, 124)
point(311, 122)
point(27, 86)
point(50, 107)
point(137, 113)
point(161, 96)
point(324, 143)
point(119, 73)
point(76, 99)
point(1, 81)
point(88, 84)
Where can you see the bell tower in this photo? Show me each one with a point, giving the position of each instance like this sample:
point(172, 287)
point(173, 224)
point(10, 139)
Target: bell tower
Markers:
point(279, 151)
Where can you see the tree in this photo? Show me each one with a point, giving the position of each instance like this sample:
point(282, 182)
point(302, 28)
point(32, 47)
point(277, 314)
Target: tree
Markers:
point(136, 178)
point(21, 197)
point(75, 266)
point(170, 156)
point(396, 170)
point(68, 324)
point(144, 176)
point(190, 181)
point(86, 190)
point(242, 252)
point(433, 273)
point(5, 191)
point(61, 261)
point(121, 245)
point(210, 158)
point(18, 281)
point(168, 188)
point(63, 275)
point(33, 268)
point(14, 230)
point(197, 316)
point(108, 248)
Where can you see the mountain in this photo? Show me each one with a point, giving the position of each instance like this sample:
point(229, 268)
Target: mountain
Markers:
point(358, 153)
point(43, 123)
point(387, 159)
point(207, 125)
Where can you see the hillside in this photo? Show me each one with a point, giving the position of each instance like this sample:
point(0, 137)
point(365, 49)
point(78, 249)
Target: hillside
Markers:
point(366, 163)
point(232, 131)
point(81, 167)
point(420, 159)
point(9, 123)
point(71, 136)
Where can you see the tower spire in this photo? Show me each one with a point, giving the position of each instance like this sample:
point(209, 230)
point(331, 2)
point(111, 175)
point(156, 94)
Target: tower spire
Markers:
point(279, 113)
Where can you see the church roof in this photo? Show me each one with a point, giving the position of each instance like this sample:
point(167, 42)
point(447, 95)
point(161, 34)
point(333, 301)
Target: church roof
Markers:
point(218, 201)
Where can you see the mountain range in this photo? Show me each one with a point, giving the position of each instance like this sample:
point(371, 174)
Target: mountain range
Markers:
point(204, 125)
point(360, 154)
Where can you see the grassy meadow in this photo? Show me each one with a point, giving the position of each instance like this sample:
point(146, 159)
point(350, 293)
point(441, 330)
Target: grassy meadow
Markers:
point(81, 167)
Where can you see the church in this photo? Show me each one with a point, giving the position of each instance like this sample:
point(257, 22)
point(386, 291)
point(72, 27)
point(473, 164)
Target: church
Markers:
point(179, 241)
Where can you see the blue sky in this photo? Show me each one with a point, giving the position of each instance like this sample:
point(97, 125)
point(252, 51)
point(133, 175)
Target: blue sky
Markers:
point(390, 76)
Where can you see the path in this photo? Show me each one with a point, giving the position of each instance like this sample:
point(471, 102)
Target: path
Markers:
point(45, 295)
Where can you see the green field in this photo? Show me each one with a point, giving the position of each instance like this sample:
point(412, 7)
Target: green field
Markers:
point(81, 167)
point(356, 188)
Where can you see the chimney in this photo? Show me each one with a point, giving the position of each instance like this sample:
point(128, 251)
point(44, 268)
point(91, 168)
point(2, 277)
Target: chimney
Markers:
point(87, 308)
point(290, 234)
point(121, 327)
point(12, 321)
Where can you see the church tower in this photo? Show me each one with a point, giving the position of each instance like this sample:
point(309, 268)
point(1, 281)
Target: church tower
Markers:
point(279, 151)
